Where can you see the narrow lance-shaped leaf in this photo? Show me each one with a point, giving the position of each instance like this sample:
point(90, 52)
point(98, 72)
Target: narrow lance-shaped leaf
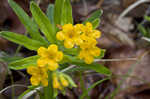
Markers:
point(94, 16)
point(147, 18)
point(94, 66)
point(72, 83)
point(22, 40)
point(43, 22)
point(28, 23)
point(23, 63)
point(142, 30)
point(58, 11)
point(50, 13)
point(66, 16)
point(96, 23)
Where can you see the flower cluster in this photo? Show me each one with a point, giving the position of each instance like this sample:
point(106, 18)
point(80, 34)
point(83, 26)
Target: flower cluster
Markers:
point(59, 81)
point(79, 35)
point(39, 75)
point(49, 58)
point(83, 36)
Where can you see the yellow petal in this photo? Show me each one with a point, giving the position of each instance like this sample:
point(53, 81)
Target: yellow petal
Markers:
point(69, 44)
point(89, 26)
point(89, 59)
point(59, 56)
point(60, 35)
point(41, 62)
point(53, 66)
point(33, 70)
point(95, 51)
point(34, 80)
point(42, 51)
point(53, 48)
point(67, 28)
point(44, 82)
point(63, 81)
point(79, 41)
point(96, 34)
point(82, 54)
point(44, 72)
point(56, 83)
point(79, 28)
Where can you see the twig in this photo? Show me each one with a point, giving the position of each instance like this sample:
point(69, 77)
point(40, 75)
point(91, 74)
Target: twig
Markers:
point(38, 2)
point(146, 39)
point(70, 67)
point(128, 73)
point(16, 85)
point(100, 3)
point(31, 93)
point(107, 60)
point(131, 7)
point(85, 7)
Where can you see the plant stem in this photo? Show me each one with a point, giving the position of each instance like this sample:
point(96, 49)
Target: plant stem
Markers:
point(48, 91)
point(83, 84)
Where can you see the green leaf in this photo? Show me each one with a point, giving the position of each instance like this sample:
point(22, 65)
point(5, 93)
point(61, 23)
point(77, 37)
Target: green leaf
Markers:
point(4, 57)
point(28, 23)
point(43, 22)
point(94, 66)
point(92, 86)
point(9, 59)
point(50, 13)
point(143, 30)
point(22, 40)
point(24, 93)
point(71, 82)
point(148, 32)
point(58, 11)
point(73, 51)
point(147, 18)
point(66, 16)
point(94, 16)
point(96, 23)
point(23, 63)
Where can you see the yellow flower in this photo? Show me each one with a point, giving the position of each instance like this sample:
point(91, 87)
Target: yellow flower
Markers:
point(49, 57)
point(88, 31)
point(39, 75)
point(69, 35)
point(56, 83)
point(88, 50)
point(63, 81)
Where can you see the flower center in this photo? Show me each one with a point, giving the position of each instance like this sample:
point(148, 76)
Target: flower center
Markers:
point(71, 35)
point(51, 56)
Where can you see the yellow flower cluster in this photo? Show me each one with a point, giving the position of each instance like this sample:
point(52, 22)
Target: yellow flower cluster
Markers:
point(83, 36)
point(79, 35)
point(39, 75)
point(49, 58)
point(69, 34)
point(59, 81)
